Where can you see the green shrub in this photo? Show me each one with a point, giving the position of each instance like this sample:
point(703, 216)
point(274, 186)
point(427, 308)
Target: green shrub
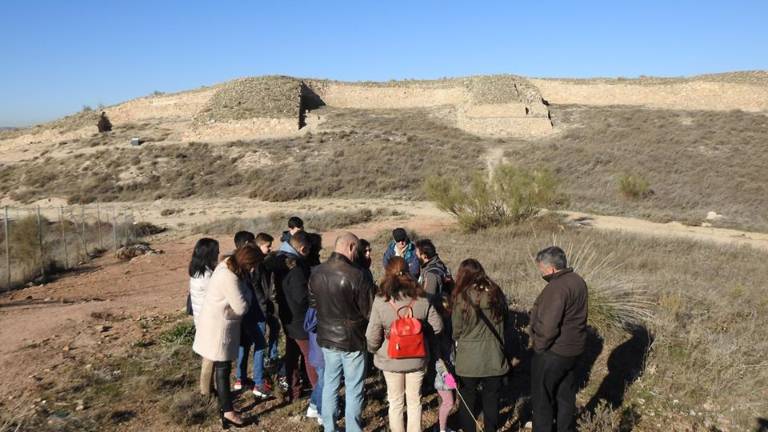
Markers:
point(634, 186)
point(509, 196)
point(181, 334)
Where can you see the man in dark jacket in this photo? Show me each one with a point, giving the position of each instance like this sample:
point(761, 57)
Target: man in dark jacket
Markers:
point(559, 332)
point(402, 246)
point(342, 295)
point(435, 276)
point(292, 309)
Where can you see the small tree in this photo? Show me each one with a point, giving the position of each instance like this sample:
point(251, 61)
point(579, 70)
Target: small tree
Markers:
point(510, 195)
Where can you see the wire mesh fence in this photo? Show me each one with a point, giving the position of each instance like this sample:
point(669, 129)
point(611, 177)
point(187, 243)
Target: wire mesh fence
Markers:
point(36, 242)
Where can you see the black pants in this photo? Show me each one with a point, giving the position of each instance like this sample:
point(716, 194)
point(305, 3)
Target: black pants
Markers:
point(223, 369)
point(490, 400)
point(553, 392)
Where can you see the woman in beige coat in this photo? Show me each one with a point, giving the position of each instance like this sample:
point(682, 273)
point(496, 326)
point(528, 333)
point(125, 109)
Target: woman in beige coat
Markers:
point(398, 292)
point(217, 337)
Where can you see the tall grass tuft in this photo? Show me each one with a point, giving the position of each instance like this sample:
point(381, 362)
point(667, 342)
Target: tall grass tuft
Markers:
point(617, 301)
point(634, 186)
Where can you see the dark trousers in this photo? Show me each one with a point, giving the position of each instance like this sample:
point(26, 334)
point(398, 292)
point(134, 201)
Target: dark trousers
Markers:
point(295, 350)
point(489, 398)
point(222, 371)
point(553, 392)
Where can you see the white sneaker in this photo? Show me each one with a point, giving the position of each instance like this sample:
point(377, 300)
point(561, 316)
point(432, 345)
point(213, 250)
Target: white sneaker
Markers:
point(312, 412)
point(260, 394)
point(320, 421)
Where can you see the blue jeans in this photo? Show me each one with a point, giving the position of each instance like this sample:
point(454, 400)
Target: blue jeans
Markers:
point(316, 398)
point(252, 337)
point(274, 337)
point(352, 366)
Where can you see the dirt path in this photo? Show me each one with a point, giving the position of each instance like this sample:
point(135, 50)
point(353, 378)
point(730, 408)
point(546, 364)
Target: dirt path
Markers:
point(672, 229)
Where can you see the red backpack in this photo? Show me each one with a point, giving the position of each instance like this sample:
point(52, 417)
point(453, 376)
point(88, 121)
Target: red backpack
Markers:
point(406, 338)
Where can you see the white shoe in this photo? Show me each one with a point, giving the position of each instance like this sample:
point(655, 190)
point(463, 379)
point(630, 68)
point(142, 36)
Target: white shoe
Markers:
point(312, 412)
point(320, 421)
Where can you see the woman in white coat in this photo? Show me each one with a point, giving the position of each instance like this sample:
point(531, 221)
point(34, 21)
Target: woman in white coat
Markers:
point(218, 333)
point(204, 260)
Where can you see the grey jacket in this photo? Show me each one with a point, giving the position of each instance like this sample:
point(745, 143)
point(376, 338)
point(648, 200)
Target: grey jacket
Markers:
point(382, 316)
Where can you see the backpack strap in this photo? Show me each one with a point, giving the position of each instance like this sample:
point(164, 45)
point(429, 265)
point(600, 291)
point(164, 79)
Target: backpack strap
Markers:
point(397, 310)
point(487, 322)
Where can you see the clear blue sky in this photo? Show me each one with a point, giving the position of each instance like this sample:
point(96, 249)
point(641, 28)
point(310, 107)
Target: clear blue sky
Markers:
point(56, 56)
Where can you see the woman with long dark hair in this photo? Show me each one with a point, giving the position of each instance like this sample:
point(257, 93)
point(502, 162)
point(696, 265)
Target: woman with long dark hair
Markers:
point(204, 259)
point(399, 295)
point(479, 310)
point(205, 256)
point(218, 334)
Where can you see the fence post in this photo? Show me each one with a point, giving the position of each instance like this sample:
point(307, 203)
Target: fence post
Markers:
point(98, 225)
point(40, 243)
point(63, 238)
point(114, 229)
point(7, 249)
point(82, 236)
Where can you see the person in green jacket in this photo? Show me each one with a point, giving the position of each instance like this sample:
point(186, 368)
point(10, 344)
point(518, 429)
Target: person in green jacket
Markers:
point(478, 315)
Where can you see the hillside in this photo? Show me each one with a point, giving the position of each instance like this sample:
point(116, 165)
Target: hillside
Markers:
point(697, 140)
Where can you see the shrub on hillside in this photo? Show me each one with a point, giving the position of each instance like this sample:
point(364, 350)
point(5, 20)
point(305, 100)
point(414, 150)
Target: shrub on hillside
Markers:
point(634, 186)
point(509, 196)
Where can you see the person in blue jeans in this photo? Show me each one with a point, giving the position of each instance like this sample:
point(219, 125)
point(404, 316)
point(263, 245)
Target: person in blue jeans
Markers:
point(254, 324)
point(256, 340)
point(342, 296)
point(315, 408)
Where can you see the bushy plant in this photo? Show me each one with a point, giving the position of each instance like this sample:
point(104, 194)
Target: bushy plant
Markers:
point(603, 419)
point(634, 186)
point(509, 196)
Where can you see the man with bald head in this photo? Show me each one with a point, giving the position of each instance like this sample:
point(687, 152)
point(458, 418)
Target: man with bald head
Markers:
point(342, 296)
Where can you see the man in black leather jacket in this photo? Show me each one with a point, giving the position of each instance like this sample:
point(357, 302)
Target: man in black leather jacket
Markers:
point(342, 296)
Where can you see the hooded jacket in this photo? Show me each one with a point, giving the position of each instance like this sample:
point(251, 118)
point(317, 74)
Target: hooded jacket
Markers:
point(409, 256)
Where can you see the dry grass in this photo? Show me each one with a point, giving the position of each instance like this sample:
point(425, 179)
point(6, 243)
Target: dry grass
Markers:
point(707, 353)
point(709, 314)
point(697, 162)
point(276, 222)
point(362, 154)
point(65, 244)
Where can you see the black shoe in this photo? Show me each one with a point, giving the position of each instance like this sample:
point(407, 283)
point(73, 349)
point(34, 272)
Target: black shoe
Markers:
point(227, 423)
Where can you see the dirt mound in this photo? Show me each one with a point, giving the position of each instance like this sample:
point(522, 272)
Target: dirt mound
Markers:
point(247, 98)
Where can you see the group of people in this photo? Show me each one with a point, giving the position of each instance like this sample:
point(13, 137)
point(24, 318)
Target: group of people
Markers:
point(424, 329)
